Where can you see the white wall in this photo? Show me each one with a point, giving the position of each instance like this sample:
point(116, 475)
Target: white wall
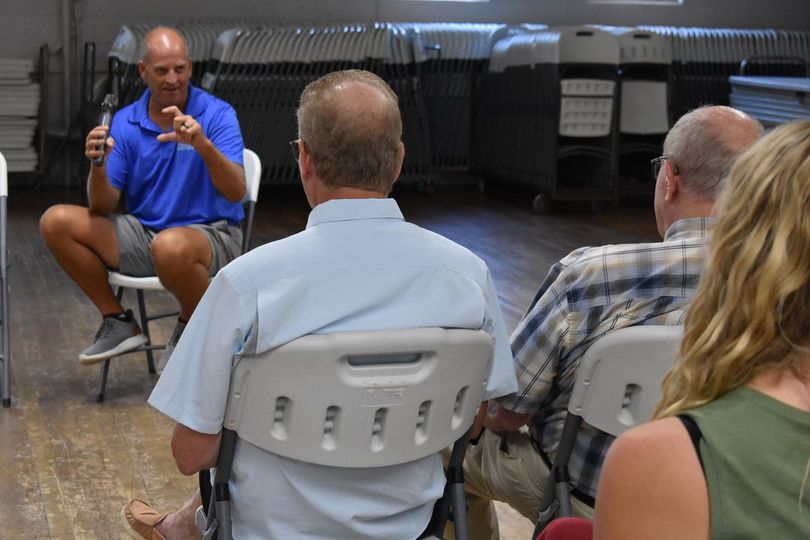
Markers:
point(27, 24)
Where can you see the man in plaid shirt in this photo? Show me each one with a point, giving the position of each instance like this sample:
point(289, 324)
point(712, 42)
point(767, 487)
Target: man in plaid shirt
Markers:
point(587, 294)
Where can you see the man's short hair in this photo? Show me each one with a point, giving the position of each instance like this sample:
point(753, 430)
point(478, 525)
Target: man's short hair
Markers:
point(705, 143)
point(351, 149)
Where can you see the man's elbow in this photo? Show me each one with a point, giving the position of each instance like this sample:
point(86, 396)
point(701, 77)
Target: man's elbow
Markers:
point(100, 205)
point(187, 462)
point(238, 186)
point(193, 451)
point(236, 192)
point(100, 209)
point(237, 196)
point(187, 468)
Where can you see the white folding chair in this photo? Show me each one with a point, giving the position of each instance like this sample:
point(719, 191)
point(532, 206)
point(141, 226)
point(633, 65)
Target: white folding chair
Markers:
point(360, 399)
point(253, 175)
point(617, 386)
point(5, 352)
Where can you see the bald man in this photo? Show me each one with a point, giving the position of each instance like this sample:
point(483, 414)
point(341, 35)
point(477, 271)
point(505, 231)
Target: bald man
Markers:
point(591, 292)
point(176, 154)
point(357, 266)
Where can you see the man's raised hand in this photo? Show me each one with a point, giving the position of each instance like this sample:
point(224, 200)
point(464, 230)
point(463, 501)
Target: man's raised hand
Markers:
point(186, 130)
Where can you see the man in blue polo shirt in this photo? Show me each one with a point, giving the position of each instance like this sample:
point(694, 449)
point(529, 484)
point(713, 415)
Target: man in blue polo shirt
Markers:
point(176, 154)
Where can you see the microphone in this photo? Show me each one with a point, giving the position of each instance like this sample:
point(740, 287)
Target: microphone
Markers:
point(107, 109)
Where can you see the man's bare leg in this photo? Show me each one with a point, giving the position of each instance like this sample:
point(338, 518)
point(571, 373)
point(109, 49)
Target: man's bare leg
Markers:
point(180, 524)
point(182, 256)
point(85, 245)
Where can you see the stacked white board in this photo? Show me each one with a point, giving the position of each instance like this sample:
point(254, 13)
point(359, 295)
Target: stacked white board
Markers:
point(19, 106)
point(772, 100)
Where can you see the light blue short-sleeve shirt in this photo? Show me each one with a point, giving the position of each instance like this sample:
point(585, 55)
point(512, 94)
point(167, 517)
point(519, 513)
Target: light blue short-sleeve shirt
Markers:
point(357, 266)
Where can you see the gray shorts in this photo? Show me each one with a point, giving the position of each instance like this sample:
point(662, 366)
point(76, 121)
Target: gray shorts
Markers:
point(134, 241)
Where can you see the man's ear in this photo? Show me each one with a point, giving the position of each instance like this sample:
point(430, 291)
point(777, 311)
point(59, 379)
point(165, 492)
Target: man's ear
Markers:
point(401, 160)
point(672, 182)
point(305, 166)
point(141, 68)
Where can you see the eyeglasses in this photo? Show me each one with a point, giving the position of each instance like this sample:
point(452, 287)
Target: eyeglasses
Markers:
point(656, 163)
point(295, 148)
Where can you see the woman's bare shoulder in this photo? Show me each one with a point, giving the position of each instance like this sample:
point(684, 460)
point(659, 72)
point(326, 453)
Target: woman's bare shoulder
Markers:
point(651, 479)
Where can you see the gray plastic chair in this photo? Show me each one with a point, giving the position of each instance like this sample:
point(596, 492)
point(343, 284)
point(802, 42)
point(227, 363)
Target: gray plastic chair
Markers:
point(253, 175)
point(5, 352)
point(361, 399)
point(617, 386)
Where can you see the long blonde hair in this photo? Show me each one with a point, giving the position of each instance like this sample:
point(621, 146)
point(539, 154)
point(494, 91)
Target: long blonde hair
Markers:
point(751, 311)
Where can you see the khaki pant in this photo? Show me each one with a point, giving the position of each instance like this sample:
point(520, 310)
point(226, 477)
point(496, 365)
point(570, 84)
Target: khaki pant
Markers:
point(517, 477)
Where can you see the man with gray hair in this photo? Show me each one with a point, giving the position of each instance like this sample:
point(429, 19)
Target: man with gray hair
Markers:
point(357, 266)
point(589, 293)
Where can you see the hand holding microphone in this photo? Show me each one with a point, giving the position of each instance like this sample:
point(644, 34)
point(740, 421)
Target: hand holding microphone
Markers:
point(96, 143)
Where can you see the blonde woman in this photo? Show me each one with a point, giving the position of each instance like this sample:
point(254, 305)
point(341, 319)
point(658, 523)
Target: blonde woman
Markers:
point(728, 455)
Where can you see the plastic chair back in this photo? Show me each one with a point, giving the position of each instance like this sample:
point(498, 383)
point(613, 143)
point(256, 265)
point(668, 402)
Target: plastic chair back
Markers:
point(5, 347)
point(253, 178)
point(619, 377)
point(356, 399)
point(617, 385)
point(361, 399)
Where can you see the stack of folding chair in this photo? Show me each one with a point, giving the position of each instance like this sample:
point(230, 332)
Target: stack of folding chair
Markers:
point(450, 58)
point(263, 72)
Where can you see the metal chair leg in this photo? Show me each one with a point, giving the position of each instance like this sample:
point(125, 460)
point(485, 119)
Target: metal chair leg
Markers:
point(145, 329)
point(102, 381)
point(144, 320)
point(6, 392)
point(459, 498)
point(6, 350)
point(454, 497)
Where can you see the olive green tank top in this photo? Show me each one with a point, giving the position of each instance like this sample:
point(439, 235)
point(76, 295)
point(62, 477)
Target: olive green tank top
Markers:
point(756, 458)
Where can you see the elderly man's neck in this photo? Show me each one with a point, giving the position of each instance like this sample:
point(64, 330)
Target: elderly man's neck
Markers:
point(329, 193)
point(695, 208)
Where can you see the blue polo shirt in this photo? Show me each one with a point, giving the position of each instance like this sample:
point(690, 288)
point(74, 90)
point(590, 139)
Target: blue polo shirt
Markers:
point(167, 184)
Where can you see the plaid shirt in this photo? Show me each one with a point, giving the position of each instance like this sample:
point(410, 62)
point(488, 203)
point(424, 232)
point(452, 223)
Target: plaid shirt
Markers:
point(589, 293)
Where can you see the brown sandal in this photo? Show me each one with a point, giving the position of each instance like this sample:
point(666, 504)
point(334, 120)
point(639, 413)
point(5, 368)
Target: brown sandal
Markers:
point(141, 519)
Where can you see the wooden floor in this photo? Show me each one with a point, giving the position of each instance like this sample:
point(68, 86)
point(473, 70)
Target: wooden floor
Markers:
point(68, 464)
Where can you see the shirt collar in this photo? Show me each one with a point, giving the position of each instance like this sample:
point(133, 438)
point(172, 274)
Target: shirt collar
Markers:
point(195, 107)
point(354, 209)
point(688, 228)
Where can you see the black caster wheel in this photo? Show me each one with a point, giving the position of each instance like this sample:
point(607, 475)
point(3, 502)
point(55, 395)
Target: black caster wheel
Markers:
point(541, 203)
